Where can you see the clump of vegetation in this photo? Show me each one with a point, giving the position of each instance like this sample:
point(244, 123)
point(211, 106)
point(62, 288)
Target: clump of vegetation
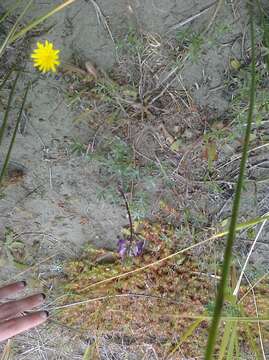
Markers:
point(117, 307)
point(117, 166)
point(191, 43)
point(153, 294)
point(158, 292)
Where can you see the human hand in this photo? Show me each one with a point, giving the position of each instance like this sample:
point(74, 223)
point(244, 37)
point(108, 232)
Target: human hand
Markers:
point(11, 321)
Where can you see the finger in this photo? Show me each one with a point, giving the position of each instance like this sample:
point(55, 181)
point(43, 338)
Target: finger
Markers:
point(11, 289)
point(14, 327)
point(13, 308)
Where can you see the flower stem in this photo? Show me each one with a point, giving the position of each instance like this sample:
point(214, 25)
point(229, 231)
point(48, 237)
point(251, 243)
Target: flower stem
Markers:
point(236, 203)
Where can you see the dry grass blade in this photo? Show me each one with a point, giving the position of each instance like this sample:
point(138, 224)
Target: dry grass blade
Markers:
point(237, 287)
point(213, 17)
point(106, 297)
point(253, 286)
point(191, 18)
point(101, 19)
point(257, 314)
point(7, 352)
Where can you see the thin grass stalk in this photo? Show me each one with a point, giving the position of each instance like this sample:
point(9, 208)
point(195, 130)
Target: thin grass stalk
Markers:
point(232, 340)
point(263, 355)
point(265, 27)
point(251, 287)
point(39, 20)
point(10, 11)
point(90, 352)
point(14, 28)
point(5, 165)
point(11, 94)
point(251, 340)
point(236, 345)
point(190, 330)
point(225, 339)
point(6, 78)
point(237, 287)
point(236, 203)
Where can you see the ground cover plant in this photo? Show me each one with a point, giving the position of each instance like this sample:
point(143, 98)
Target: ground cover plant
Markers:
point(187, 273)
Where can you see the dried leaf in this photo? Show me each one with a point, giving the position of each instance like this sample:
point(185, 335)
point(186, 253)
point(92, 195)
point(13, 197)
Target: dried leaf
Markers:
point(91, 69)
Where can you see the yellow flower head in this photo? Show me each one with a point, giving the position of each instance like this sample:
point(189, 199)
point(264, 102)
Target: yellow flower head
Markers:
point(45, 57)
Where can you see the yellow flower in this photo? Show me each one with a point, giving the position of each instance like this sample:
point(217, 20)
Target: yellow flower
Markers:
point(45, 57)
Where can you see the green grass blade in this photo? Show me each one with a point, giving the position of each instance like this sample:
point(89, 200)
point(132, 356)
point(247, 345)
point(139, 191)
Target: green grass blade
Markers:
point(236, 203)
point(39, 20)
point(4, 168)
point(251, 223)
point(10, 11)
point(225, 339)
point(231, 347)
point(14, 28)
point(265, 27)
point(6, 78)
point(241, 319)
point(91, 352)
point(251, 341)
point(251, 337)
point(236, 346)
point(190, 330)
point(11, 94)
point(87, 354)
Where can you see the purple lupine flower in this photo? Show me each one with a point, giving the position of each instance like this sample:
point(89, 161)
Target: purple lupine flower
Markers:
point(122, 247)
point(138, 249)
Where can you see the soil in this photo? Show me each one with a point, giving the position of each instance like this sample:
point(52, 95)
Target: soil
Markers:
point(51, 199)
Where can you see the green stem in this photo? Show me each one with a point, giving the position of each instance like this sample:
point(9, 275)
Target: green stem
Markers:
point(4, 168)
point(236, 203)
point(14, 28)
point(11, 94)
point(265, 27)
point(39, 20)
point(6, 78)
point(10, 11)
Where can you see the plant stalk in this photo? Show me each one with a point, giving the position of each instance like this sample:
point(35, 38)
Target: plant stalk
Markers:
point(5, 165)
point(236, 203)
point(11, 94)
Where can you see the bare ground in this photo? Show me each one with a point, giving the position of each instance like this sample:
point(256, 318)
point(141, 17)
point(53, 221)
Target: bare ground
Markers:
point(54, 206)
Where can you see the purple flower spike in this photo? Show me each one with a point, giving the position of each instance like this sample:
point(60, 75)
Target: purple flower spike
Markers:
point(139, 246)
point(122, 247)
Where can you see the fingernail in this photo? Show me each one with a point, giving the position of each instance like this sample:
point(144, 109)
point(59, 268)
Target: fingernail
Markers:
point(43, 296)
point(23, 283)
point(45, 314)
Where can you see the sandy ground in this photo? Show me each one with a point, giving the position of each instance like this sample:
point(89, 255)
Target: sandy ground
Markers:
point(54, 208)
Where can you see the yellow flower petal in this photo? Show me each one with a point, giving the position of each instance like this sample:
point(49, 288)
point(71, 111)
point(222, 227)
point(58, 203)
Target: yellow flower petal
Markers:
point(45, 57)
